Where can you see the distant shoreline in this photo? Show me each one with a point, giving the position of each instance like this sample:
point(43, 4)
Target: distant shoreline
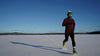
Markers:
point(16, 33)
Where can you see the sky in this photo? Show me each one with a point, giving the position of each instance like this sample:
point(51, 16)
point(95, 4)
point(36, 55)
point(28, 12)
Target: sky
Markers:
point(46, 16)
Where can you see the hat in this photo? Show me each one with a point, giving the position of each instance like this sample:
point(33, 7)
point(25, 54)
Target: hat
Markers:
point(69, 12)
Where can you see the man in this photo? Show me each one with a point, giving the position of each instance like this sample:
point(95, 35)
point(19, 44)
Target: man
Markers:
point(69, 24)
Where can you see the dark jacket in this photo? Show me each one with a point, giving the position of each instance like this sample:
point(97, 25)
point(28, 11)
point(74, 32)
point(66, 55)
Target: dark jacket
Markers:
point(69, 24)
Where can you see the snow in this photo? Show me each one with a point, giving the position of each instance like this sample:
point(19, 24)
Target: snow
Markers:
point(48, 45)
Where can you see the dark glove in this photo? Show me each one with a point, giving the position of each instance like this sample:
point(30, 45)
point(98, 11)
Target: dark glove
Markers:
point(68, 23)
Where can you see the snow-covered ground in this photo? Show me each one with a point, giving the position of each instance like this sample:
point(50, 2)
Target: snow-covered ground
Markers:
point(48, 45)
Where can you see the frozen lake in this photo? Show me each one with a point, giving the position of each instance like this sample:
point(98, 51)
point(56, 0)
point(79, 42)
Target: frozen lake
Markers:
point(48, 45)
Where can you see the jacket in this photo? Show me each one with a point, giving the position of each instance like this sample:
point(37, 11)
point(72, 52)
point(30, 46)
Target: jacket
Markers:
point(69, 24)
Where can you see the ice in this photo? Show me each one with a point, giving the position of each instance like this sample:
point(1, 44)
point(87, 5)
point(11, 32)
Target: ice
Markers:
point(48, 45)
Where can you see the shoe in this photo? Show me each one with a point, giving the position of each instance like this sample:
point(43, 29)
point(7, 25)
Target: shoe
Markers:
point(64, 45)
point(74, 51)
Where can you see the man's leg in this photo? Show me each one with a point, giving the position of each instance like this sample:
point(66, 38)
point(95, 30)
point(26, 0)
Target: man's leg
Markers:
point(73, 42)
point(65, 40)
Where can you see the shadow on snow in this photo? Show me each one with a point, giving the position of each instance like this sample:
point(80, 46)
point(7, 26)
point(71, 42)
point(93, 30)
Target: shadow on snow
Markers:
point(41, 47)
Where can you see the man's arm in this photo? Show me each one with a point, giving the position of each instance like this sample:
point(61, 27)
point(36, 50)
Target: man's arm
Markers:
point(73, 24)
point(64, 23)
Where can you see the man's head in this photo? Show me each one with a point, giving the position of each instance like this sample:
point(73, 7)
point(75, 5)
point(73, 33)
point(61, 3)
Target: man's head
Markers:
point(69, 14)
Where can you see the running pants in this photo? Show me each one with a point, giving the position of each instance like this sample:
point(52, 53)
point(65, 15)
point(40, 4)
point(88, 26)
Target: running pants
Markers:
point(72, 38)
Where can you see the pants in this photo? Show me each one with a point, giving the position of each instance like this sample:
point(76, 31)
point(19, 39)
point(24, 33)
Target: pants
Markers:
point(72, 38)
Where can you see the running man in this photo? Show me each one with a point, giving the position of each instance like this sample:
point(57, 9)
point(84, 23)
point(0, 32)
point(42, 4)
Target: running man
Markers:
point(69, 24)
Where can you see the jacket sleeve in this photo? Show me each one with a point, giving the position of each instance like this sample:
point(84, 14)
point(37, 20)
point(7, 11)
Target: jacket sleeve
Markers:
point(64, 23)
point(73, 24)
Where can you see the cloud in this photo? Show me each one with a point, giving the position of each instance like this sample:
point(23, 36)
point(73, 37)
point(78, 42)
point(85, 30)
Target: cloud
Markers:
point(95, 26)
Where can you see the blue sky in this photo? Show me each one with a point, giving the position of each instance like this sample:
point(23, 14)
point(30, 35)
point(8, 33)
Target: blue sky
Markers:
point(46, 16)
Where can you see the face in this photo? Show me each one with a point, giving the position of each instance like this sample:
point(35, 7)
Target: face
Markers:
point(69, 15)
